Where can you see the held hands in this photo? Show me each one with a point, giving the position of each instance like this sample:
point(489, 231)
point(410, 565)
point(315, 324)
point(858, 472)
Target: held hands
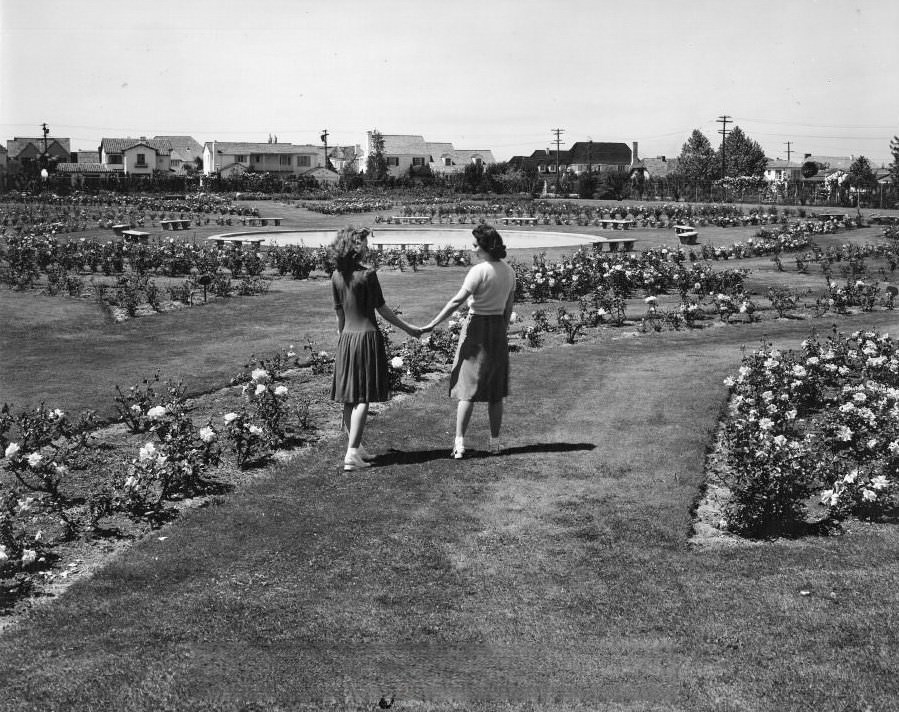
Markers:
point(418, 331)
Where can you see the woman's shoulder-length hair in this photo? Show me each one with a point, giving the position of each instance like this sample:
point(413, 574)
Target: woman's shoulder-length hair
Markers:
point(348, 248)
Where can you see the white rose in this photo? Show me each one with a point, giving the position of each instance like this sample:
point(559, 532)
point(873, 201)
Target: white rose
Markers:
point(229, 417)
point(156, 412)
point(147, 452)
point(135, 408)
point(12, 450)
point(260, 375)
point(260, 389)
point(29, 556)
point(207, 434)
point(396, 362)
point(281, 391)
point(255, 430)
point(34, 459)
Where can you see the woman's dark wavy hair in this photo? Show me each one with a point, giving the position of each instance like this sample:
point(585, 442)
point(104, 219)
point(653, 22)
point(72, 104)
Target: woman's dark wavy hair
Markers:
point(347, 249)
point(490, 241)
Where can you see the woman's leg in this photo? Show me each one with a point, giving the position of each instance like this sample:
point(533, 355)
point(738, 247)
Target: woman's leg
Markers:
point(463, 417)
point(495, 413)
point(347, 414)
point(358, 415)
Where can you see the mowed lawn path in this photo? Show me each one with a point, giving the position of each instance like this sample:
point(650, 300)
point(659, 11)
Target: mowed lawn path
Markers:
point(559, 572)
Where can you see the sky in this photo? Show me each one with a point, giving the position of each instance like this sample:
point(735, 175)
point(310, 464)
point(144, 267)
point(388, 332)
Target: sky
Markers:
point(480, 74)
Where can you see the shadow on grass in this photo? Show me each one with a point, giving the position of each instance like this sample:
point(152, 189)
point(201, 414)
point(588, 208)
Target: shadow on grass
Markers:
point(417, 457)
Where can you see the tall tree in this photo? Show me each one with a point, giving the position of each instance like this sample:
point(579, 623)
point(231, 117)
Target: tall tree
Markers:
point(696, 163)
point(376, 163)
point(894, 166)
point(861, 175)
point(743, 156)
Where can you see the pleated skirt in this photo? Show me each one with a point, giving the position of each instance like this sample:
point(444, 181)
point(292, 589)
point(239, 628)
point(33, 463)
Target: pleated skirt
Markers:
point(481, 367)
point(360, 368)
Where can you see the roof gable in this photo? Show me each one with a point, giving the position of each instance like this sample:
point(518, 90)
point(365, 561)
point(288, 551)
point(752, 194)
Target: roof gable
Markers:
point(16, 145)
point(120, 145)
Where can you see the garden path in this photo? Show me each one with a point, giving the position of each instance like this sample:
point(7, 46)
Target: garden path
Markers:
point(559, 570)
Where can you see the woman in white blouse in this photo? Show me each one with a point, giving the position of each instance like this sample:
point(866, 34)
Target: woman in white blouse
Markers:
point(481, 367)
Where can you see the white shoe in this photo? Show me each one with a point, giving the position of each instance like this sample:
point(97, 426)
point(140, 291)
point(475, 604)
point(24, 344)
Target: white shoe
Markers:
point(458, 451)
point(365, 454)
point(352, 461)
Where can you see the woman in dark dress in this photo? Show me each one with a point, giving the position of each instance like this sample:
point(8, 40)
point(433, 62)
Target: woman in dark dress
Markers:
point(360, 364)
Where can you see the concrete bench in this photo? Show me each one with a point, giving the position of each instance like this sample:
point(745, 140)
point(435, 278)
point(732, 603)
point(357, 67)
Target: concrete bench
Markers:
point(406, 219)
point(687, 234)
point(119, 229)
point(136, 236)
point(223, 242)
point(614, 244)
point(616, 223)
point(521, 220)
point(423, 246)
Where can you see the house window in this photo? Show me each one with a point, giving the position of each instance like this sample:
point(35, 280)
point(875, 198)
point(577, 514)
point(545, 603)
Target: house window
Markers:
point(115, 159)
point(447, 161)
point(285, 160)
point(240, 159)
point(393, 160)
point(418, 161)
point(141, 160)
point(304, 161)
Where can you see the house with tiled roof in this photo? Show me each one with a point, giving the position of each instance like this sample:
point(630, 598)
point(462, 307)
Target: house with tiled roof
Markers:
point(26, 154)
point(185, 152)
point(778, 169)
point(545, 161)
point(229, 158)
point(657, 167)
point(342, 157)
point(405, 151)
point(136, 156)
point(454, 160)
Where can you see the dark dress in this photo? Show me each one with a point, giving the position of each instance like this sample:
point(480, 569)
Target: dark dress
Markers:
point(360, 364)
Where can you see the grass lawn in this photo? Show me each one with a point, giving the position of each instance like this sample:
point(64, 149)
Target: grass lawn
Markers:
point(558, 575)
point(558, 572)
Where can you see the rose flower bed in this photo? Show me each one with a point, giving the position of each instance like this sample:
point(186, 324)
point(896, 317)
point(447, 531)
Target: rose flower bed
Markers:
point(818, 425)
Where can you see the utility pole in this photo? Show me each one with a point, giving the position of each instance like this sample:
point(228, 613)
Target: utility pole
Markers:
point(558, 133)
point(325, 141)
point(724, 121)
point(788, 150)
point(46, 131)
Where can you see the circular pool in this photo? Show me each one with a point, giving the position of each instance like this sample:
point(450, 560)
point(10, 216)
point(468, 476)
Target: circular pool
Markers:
point(434, 237)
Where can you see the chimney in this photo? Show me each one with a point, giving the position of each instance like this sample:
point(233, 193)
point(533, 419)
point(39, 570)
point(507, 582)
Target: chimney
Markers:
point(634, 157)
point(807, 156)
